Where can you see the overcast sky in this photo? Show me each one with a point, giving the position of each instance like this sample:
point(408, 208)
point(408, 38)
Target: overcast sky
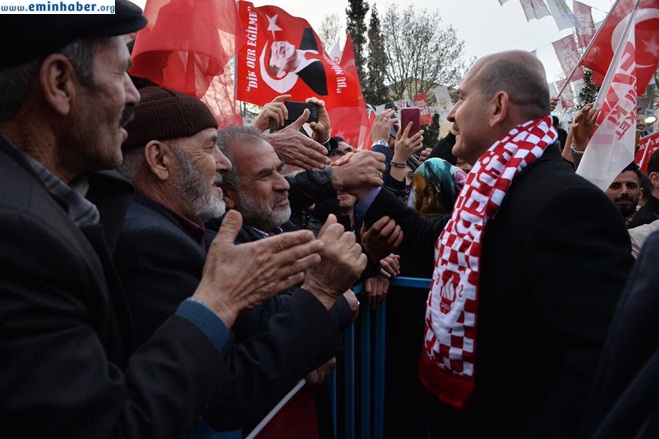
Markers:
point(484, 25)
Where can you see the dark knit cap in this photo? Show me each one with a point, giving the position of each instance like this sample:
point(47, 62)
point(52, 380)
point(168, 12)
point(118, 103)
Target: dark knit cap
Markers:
point(37, 35)
point(164, 114)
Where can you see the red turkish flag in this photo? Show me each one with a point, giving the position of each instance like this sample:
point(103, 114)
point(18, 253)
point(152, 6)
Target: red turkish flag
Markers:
point(599, 57)
point(646, 146)
point(352, 122)
point(283, 55)
point(186, 43)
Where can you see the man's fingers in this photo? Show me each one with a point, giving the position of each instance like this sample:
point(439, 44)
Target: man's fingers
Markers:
point(388, 228)
point(399, 240)
point(301, 120)
point(379, 224)
point(286, 240)
point(331, 219)
point(281, 98)
point(300, 265)
point(230, 227)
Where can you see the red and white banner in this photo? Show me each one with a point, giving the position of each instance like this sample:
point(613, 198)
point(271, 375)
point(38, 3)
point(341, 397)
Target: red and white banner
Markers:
point(421, 101)
point(611, 146)
point(186, 44)
point(353, 123)
point(599, 57)
point(562, 14)
point(400, 103)
point(283, 55)
point(584, 15)
point(568, 55)
point(646, 146)
point(534, 9)
point(567, 96)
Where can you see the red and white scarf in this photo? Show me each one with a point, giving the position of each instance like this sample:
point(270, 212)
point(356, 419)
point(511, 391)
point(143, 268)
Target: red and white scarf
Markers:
point(446, 367)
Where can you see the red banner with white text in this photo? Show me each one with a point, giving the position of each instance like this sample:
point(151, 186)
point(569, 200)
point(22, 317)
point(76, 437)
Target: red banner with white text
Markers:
point(283, 55)
point(421, 101)
point(646, 146)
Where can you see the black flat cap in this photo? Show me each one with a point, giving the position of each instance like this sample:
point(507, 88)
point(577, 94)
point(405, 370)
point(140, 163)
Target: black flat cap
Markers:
point(38, 35)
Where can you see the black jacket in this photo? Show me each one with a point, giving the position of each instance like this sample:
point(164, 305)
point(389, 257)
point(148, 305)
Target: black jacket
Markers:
point(624, 402)
point(160, 265)
point(554, 261)
point(65, 336)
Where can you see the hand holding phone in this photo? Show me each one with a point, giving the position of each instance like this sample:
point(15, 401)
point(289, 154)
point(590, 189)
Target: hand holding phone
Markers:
point(410, 114)
point(295, 110)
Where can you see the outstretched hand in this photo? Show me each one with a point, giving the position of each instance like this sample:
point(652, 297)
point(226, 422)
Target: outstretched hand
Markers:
point(357, 173)
point(382, 238)
point(236, 277)
point(342, 263)
point(296, 149)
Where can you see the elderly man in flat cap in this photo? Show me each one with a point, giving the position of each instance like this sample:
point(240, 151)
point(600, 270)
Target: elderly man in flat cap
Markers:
point(173, 161)
point(65, 332)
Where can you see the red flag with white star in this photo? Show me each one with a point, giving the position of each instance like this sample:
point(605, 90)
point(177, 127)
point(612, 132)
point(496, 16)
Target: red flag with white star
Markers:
point(283, 55)
point(599, 57)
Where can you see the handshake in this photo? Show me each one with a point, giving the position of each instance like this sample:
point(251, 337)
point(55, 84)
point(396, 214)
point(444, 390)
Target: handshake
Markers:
point(236, 277)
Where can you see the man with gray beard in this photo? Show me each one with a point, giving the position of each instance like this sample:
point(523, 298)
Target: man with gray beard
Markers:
point(255, 186)
point(172, 159)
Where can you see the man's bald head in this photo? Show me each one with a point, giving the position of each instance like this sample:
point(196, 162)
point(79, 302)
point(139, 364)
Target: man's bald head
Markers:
point(521, 75)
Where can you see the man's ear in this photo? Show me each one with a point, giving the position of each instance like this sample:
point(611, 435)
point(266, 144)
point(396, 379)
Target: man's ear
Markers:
point(159, 158)
point(229, 196)
point(654, 179)
point(59, 83)
point(498, 107)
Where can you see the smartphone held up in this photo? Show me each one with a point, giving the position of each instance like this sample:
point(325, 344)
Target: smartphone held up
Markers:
point(410, 114)
point(295, 110)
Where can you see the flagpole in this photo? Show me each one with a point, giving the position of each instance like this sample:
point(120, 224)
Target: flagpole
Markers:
point(590, 43)
point(276, 409)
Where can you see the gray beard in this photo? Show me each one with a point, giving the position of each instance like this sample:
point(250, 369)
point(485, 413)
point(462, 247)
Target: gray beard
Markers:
point(201, 203)
point(262, 218)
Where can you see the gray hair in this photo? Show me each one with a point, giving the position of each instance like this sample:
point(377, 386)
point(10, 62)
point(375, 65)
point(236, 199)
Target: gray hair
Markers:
point(15, 81)
point(233, 135)
point(132, 164)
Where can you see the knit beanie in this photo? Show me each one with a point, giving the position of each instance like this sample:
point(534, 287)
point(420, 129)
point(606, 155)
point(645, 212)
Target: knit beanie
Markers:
point(164, 114)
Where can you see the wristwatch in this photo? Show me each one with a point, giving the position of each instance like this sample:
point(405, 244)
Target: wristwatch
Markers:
point(381, 142)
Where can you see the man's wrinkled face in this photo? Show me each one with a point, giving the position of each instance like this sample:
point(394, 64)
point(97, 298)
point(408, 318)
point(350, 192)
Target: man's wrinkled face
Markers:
point(102, 109)
point(199, 174)
point(262, 195)
point(625, 191)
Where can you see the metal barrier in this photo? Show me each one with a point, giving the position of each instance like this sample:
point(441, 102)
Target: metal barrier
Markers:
point(370, 330)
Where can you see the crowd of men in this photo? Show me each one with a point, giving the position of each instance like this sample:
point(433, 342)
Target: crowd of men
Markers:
point(153, 284)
